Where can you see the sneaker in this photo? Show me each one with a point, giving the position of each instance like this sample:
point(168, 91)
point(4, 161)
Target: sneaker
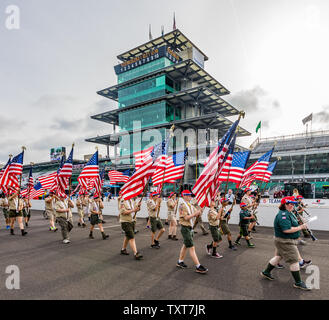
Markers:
point(157, 242)
point(201, 269)
point(91, 236)
point(66, 241)
point(79, 224)
point(237, 243)
point(251, 245)
point(181, 265)
point(302, 286)
point(174, 238)
point(266, 275)
point(279, 266)
point(24, 233)
point(138, 256)
point(103, 221)
point(169, 236)
point(7, 227)
point(55, 229)
point(305, 263)
point(232, 248)
point(156, 246)
point(84, 225)
point(105, 236)
point(208, 249)
point(302, 242)
point(216, 255)
point(124, 252)
point(136, 231)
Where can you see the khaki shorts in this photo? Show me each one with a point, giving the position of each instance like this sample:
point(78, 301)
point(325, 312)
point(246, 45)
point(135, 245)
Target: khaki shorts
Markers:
point(215, 233)
point(287, 249)
point(156, 224)
point(50, 214)
point(81, 213)
point(171, 216)
point(128, 228)
point(224, 227)
point(187, 233)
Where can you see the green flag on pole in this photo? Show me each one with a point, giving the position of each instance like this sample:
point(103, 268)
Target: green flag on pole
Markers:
point(258, 126)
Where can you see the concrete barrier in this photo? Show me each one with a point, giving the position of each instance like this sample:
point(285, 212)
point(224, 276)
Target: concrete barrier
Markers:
point(266, 212)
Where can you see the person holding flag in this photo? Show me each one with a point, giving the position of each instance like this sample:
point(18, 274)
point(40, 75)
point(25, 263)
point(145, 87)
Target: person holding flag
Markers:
point(79, 204)
point(171, 207)
point(62, 216)
point(50, 200)
point(95, 208)
point(16, 206)
point(27, 210)
point(4, 205)
point(186, 213)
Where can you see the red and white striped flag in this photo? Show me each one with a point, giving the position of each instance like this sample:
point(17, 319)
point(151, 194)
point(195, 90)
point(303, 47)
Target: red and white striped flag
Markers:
point(142, 156)
point(47, 181)
point(90, 171)
point(117, 176)
point(206, 184)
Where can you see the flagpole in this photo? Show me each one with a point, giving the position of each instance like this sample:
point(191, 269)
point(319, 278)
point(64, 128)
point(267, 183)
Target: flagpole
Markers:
point(70, 179)
point(20, 182)
point(28, 197)
point(164, 171)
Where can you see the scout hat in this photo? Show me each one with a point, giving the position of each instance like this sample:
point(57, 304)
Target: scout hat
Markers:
point(288, 200)
point(186, 193)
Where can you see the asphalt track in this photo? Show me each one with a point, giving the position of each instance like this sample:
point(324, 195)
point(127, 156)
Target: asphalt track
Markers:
point(94, 269)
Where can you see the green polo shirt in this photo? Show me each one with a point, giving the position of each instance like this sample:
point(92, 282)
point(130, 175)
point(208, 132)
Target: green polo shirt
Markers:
point(244, 214)
point(285, 220)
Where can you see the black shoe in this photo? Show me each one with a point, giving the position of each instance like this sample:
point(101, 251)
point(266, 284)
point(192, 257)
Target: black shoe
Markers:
point(138, 256)
point(156, 246)
point(26, 224)
point(55, 229)
point(91, 236)
point(105, 236)
point(136, 231)
point(195, 231)
point(166, 223)
point(232, 247)
point(24, 232)
point(267, 275)
point(124, 252)
point(174, 238)
point(84, 225)
point(12, 232)
point(302, 286)
point(201, 269)
point(169, 236)
point(103, 221)
point(181, 265)
point(79, 224)
point(157, 242)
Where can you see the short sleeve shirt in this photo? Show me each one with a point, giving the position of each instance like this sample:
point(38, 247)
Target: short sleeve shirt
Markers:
point(212, 218)
point(285, 220)
point(244, 214)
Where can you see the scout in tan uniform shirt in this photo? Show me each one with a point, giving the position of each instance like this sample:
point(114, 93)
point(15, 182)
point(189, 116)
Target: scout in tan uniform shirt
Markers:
point(27, 211)
point(50, 210)
point(186, 213)
point(81, 213)
point(213, 219)
point(250, 202)
point(4, 205)
point(16, 211)
point(171, 206)
point(153, 205)
point(198, 219)
point(62, 212)
point(95, 208)
point(127, 208)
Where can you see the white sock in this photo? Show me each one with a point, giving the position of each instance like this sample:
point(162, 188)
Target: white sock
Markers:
point(198, 265)
point(179, 261)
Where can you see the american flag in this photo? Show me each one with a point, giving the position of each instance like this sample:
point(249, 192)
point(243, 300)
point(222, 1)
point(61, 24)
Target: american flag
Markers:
point(90, 171)
point(65, 173)
point(141, 156)
point(237, 167)
point(14, 168)
point(4, 188)
point(257, 168)
point(268, 173)
point(30, 182)
point(208, 178)
point(48, 180)
point(246, 182)
point(54, 187)
point(98, 183)
point(172, 170)
point(117, 176)
point(137, 182)
point(35, 192)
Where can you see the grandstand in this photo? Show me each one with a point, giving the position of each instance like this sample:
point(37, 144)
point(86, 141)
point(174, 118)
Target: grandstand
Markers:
point(304, 158)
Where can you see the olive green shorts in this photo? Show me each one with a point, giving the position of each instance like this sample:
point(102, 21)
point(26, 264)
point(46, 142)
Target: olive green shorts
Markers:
point(244, 230)
point(187, 234)
point(5, 213)
point(94, 219)
point(14, 214)
point(224, 227)
point(156, 224)
point(287, 249)
point(215, 233)
point(128, 228)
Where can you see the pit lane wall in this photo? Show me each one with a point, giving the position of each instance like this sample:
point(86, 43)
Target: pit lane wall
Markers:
point(266, 212)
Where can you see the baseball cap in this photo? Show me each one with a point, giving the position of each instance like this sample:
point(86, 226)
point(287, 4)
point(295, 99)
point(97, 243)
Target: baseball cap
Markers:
point(288, 200)
point(186, 193)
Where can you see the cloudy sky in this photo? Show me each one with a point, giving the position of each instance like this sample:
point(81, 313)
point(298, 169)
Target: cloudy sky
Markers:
point(271, 55)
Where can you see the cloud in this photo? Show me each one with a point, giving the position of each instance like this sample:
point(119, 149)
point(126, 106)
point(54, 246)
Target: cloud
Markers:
point(322, 116)
point(7, 124)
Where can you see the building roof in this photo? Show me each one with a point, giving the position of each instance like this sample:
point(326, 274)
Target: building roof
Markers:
point(186, 69)
point(175, 39)
point(200, 96)
point(213, 121)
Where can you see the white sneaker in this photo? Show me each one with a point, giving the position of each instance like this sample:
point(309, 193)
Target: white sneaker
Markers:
point(66, 241)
